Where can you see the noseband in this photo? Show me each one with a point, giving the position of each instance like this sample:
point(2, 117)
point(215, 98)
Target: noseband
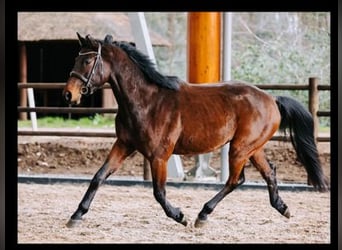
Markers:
point(88, 88)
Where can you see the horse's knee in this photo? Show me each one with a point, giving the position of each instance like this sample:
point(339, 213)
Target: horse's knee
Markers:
point(233, 183)
point(236, 167)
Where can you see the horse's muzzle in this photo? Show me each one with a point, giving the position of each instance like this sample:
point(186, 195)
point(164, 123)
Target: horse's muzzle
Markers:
point(67, 96)
point(70, 97)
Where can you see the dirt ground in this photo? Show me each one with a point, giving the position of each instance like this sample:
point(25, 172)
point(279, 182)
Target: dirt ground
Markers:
point(84, 156)
point(122, 214)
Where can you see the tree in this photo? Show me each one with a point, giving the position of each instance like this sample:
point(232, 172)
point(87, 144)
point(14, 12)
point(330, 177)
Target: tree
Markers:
point(271, 47)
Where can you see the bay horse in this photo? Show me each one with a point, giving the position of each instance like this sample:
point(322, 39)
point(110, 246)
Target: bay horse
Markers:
point(161, 115)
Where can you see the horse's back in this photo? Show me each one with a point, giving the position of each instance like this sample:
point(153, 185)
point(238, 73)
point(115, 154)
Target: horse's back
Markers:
point(230, 92)
point(213, 114)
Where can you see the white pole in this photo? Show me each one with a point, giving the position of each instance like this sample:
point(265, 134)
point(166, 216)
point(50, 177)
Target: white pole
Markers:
point(31, 102)
point(227, 55)
point(140, 33)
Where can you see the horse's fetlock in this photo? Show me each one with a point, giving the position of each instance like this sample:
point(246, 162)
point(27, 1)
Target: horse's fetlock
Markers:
point(208, 209)
point(82, 210)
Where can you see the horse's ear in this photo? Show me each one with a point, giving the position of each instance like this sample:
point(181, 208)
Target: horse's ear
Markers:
point(81, 40)
point(108, 39)
point(91, 41)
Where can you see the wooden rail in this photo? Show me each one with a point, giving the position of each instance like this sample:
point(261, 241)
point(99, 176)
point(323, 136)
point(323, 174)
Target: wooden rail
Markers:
point(76, 110)
point(313, 87)
point(24, 132)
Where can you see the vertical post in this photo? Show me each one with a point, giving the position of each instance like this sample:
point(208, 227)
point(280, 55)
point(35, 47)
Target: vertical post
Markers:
point(204, 40)
point(313, 107)
point(204, 62)
point(314, 103)
point(140, 33)
point(108, 101)
point(33, 116)
point(226, 70)
point(23, 79)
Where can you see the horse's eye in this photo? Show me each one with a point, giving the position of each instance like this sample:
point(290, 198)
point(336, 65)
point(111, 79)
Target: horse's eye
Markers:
point(87, 61)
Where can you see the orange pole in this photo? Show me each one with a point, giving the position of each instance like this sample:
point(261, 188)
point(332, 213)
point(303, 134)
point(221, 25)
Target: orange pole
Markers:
point(204, 47)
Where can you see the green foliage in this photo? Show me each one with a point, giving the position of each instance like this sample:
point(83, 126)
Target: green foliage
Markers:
point(267, 48)
point(98, 121)
point(289, 53)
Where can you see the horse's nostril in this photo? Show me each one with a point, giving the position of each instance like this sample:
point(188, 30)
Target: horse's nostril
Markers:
point(67, 96)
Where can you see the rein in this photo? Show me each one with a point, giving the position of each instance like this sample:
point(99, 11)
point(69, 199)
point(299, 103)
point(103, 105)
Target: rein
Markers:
point(88, 88)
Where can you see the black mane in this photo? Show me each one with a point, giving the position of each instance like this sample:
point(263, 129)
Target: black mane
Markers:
point(148, 67)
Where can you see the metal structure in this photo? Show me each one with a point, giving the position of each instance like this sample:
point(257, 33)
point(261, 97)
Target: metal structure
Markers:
point(226, 68)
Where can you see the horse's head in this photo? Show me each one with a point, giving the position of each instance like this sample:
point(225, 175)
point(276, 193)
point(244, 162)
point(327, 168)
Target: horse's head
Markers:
point(89, 71)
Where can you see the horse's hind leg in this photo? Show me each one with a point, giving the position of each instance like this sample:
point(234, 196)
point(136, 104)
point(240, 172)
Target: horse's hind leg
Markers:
point(237, 160)
point(118, 153)
point(268, 172)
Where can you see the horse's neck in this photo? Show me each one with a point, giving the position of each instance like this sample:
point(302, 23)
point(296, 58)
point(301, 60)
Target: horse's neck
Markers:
point(132, 93)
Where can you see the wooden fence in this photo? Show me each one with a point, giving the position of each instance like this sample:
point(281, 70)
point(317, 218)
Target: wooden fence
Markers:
point(312, 87)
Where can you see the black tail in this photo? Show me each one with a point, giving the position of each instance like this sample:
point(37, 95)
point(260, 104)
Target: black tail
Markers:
point(299, 121)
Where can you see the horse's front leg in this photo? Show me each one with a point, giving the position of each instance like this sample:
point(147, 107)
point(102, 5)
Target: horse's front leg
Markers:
point(159, 175)
point(237, 160)
point(117, 155)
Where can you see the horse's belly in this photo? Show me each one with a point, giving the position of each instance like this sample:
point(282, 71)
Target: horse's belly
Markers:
point(198, 142)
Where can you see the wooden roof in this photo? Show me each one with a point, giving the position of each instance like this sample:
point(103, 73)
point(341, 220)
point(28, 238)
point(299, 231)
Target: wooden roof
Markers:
point(36, 26)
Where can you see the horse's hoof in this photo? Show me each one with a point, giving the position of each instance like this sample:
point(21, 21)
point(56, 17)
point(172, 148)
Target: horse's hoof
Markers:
point(72, 223)
point(287, 213)
point(184, 222)
point(200, 223)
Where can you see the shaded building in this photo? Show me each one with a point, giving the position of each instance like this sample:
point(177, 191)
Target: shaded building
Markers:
point(48, 45)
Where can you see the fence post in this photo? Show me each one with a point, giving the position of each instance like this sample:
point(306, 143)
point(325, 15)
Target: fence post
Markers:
point(313, 107)
point(314, 103)
point(23, 79)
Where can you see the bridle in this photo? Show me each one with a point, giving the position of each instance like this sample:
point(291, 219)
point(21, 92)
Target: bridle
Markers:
point(88, 88)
